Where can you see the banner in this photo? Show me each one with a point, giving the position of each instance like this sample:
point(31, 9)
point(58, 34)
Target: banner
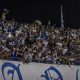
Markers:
point(11, 70)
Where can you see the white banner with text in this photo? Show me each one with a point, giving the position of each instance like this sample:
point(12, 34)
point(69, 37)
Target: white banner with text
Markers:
point(11, 70)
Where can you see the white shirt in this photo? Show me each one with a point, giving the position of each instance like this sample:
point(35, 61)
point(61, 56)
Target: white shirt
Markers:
point(64, 51)
point(9, 35)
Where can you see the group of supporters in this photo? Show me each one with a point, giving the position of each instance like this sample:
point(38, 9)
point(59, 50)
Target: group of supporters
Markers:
point(34, 42)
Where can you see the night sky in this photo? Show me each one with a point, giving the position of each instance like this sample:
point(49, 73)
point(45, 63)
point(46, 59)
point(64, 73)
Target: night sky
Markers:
point(28, 11)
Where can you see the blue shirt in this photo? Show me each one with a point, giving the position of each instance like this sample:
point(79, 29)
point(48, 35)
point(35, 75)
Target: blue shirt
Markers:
point(14, 57)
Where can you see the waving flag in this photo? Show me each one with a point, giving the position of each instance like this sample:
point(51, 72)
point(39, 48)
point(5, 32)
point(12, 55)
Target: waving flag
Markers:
point(62, 21)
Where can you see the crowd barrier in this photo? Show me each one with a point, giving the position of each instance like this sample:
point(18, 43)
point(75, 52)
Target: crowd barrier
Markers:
point(11, 70)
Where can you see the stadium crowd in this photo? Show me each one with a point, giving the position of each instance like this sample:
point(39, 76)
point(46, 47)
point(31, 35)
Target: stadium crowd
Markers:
point(34, 42)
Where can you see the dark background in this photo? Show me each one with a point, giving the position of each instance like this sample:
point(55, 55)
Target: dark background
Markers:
point(28, 11)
